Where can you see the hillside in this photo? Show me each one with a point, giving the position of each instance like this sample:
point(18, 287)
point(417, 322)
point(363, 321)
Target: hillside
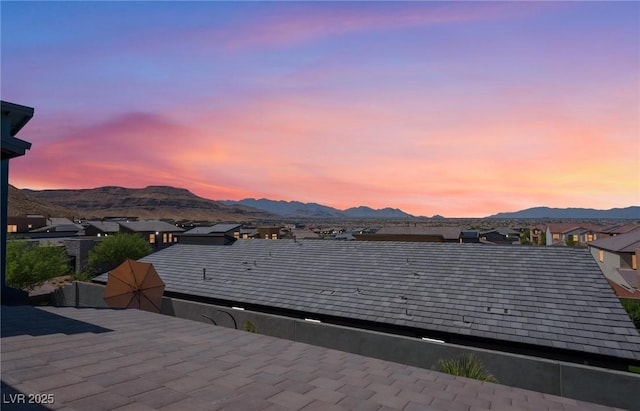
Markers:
point(573, 213)
point(145, 203)
point(296, 209)
point(21, 203)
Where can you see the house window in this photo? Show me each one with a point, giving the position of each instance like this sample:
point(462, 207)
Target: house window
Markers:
point(634, 261)
point(576, 238)
point(274, 236)
point(169, 238)
point(589, 237)
point(601, 256)
point(152, 238)
point(164, 238)
point(12, 228)
point(556, 236)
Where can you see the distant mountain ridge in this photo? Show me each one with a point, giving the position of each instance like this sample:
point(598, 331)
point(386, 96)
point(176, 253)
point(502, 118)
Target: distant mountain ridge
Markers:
point(297, 209)
point(627, 213)
point(145, 203)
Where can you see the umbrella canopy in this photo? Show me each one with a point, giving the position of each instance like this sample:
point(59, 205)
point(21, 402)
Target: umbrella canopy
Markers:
point(134, 284)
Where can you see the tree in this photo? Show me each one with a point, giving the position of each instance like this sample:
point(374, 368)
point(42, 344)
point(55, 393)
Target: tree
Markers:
point(116, 249)
point(525, 237)
point(30, 265)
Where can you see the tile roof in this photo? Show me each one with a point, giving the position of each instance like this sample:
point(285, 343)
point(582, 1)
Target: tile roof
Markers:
point(502, 231)
point(448, 233)
point(567, 227)
point(623, 292)
point(620, 228)
point(630, 276)
point(105, 226)
point(215, 229)
point(621, 243)
point(552, 297)
point(150, 226)
point(92, 359)
point(58, 224)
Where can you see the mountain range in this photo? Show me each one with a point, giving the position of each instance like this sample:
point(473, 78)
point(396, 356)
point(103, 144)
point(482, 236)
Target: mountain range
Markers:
point(632, 212)
point(145, 203)
point(180, 204)
point(296, 209)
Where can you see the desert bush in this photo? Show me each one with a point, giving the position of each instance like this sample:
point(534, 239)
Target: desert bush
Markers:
point(467, 365)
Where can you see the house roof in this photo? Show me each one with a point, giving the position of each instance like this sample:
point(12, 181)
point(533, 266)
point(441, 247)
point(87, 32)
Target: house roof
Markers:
point(620, 229)
point(570, 227)
point(630, 276)
point(143, 361)
point(105, 226)
point(449, 233)
point(502, 231)
point(469, 234)
point(304, 233)
point(59, 224)
point(623, 292)
point(215, 229)
point(150, 226)
point(552, 297)
point(621, 243)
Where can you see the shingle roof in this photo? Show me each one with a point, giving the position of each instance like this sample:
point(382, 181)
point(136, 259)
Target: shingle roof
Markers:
point(89, 359)
point(150, 226)
point(553, 297)
point(621, 243)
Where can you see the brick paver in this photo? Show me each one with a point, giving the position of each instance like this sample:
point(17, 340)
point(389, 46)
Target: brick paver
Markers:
point(133, 360)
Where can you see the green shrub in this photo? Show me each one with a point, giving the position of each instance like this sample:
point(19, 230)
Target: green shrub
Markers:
point(30, 265)
point(467, 365)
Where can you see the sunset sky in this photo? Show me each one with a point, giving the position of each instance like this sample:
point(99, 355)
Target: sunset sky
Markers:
point(462, 109)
